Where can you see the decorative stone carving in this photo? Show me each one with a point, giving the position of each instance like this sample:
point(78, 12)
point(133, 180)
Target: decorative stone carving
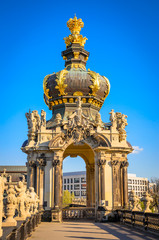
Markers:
point(21, 195)
point(28, 203)
point(41, 162)
point(124, 164)
point(113, 119)
point(10, 209)
point(55, 163)
point(98, 119)
point(147, 199)
point(34, 200)
point(101, 162)
point(43, 118)
point(121, 124)
point(134, 200)
point(58, 118)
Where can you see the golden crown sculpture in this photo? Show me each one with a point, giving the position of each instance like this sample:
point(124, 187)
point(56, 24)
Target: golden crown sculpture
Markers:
point(75, 26)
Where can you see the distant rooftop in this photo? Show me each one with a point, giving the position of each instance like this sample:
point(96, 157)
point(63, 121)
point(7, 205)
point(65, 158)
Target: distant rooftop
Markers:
point(13, 168)
point(74, 173)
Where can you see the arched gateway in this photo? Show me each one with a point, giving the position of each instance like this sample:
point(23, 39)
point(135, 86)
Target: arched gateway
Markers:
point(75, 97)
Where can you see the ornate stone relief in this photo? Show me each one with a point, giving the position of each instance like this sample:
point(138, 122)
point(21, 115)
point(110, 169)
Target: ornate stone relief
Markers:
point(119, 122)
point(78, 129)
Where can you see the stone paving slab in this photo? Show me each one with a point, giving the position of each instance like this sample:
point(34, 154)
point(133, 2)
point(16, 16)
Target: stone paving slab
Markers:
point(88, 230)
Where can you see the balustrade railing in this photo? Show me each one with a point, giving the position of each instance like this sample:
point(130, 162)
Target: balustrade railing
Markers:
point(143, 220)
point(78, 213)
point(19, 210)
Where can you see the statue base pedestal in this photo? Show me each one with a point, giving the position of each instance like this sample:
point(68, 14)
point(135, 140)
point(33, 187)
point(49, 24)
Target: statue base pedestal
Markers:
point(56, 215)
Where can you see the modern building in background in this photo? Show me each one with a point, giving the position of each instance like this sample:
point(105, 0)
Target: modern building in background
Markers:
point(139, 184)
point(75, 182)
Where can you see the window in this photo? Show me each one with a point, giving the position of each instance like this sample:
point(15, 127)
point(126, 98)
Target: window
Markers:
point(71, 187)
point(129, 181)
point(83, 186)
point(76, 186)
point(76, 180)
point(68, 180)
point(129, 187)
point(67, 187)
point(77, 193)
point(64, 187)
point(145, 188)
point(65, 180)
point(71, 180)
point(83, 193)
point(83, 180)
point(135, 181)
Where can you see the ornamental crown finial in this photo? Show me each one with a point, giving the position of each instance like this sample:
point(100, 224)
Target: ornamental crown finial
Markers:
point(75, 26)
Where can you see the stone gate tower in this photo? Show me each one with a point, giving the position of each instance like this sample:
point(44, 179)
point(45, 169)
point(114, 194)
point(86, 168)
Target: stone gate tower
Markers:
point(75, 96)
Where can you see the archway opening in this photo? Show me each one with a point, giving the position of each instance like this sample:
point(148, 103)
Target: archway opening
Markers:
point(74, 182)
point(83, 179)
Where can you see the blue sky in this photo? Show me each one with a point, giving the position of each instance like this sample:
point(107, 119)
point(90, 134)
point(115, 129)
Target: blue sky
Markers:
point(123, 42)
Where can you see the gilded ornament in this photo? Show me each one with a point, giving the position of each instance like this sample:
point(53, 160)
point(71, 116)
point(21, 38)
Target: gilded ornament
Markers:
point(46, 90)
point(96, 82)
point(75, 26)
point(84, 100)
point(108, 88)
point(71, 100)
point(56, 102)
point(78, 93)
point(60, 78)
point(64, 100)
point(64, 58)
point(76, 55)
point(90, 100)
point(86, 58)
point(60, 101)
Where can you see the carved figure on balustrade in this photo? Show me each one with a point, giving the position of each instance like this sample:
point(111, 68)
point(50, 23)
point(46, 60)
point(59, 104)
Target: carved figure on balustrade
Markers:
point(147, 199)
point(134, 201)
point(21, 196)
point(11, 205)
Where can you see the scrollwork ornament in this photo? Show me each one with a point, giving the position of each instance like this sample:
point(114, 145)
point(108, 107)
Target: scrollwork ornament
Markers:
point(56, 163)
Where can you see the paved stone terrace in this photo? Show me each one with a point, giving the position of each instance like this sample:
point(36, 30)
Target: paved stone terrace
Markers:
point(88, 230)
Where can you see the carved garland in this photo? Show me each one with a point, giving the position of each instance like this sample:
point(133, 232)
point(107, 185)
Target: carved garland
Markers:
point(46, 90)
point(108, 88)
point(60, 78)
point(96, 82)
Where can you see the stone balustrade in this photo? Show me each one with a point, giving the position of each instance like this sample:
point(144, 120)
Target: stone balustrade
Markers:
point(19, 209)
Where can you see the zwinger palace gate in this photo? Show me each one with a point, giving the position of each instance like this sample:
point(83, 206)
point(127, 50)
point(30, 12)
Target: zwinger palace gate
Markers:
point(75, 96)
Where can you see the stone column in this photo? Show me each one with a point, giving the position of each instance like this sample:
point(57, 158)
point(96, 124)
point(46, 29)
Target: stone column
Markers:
point(30, 166)
point(88, 192)
point(90, 185)
point(37, 178)
point(125, 165)
point(57, 183)
point(56, 213)
point(116, 183)
point(101, 171)
point(41, 166)
point(102, 163)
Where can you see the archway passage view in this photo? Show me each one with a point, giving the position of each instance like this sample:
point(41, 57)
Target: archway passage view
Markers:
point(75, 96)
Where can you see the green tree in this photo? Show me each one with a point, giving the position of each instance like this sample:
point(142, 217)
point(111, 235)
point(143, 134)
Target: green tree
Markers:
point(67, 197)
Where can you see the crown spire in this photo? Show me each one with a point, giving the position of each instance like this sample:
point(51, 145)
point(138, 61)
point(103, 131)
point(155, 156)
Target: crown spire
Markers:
point(75, 26)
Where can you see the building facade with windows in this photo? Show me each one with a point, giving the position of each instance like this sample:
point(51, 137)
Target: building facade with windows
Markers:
point(75, 182)
point(138, 184)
